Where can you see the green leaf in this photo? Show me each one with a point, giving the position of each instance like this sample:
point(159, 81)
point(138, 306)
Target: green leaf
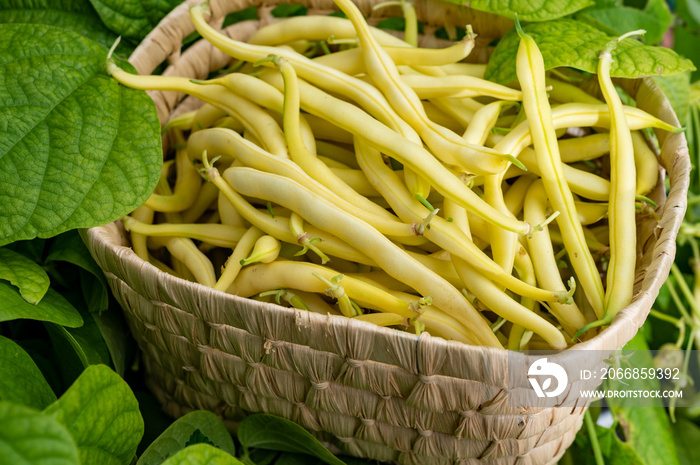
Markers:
point(86, 342)
point(102, 415)
point(202, 454)
point(689, 12)
point(614, 451)
point(656, 19)
point(571, 43)
point(133, 19)
point(276, 433)
point(70, 248)
point(21, 380)
point(116, 336)
point(686, 434)
point(53, 308)
point(194, 428)
point(76, 148)
point(677, 88)
point(528, 10)
point(27, 275)
point(28, 437)
point(685, 44)
point(647, 429)
point(76, 16)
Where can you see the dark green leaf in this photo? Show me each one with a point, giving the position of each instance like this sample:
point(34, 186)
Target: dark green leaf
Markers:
point(20, 379)
point(70, 248)
point(116, 336)
point(527, 10)
point(276, 433)
point(285, 10)
point(102, 415)
point(689, 12)
point(86, 341)
point(76, 148)
point(617, 21)
point(571, 43)
point(133, 19)
point(27, 275)
point(202, 454)
point(193, 428)
point(53, 308)
point(241, 15)
point(29, 437)
point(76, 16)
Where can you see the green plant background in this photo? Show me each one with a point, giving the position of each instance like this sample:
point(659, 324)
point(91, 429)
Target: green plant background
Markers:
point(71, 384)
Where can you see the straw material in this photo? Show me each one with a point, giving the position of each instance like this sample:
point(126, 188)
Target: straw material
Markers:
point(361, 389)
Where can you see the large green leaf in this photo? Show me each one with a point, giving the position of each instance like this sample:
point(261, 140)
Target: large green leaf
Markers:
point(76, 16)
point(276, 433)
point(53, 308)
point(102, 415)
point(686, 434)
point(28, 437)
point(30, 278)
point(202, 454)
point(571, 43)
point(20, 379)
point(76, 148)
point(528, 10)
point(195, 427)
point(133, 19)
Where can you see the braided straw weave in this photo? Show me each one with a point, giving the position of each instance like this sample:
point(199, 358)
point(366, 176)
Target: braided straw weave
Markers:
point(363, 390)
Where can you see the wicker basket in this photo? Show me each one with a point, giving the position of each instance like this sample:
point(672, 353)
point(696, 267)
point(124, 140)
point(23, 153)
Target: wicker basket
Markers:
point(363, 390)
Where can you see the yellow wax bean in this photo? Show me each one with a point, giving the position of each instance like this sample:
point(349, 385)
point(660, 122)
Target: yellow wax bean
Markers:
point(542, 254)
point(221, 141)
point(391, 258)
point(427, 87)
point(530, 71)
point(220, 235)
point(353, 119)
point(443, 233)
point(443, 143)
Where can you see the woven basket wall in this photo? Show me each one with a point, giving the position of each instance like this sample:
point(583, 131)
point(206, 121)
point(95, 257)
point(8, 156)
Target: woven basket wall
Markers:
point(362, 390)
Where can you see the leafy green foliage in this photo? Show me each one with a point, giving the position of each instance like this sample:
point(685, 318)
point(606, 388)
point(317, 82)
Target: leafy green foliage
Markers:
point(102, 415)
point(74, 16)
point(76, 148)
point(20, 379)
point(646, 429)
point(202, 454)
point(194, 428)
point(571, 43)
point(271, 432)
point(53, 308)
point(133, 19)
point(615, 21)
point(614, 451)
point(539, 10)
point(28, 437)
point(31, 279)
point(686, 435)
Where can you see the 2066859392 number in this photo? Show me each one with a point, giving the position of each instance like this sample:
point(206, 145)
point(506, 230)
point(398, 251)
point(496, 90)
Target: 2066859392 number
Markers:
point(640, 373)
